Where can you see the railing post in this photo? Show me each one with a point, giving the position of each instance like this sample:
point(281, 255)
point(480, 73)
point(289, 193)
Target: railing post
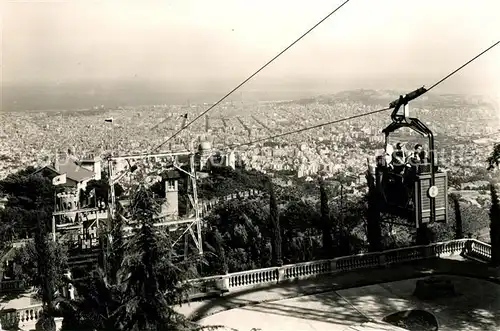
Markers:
point(381, 260)
point(58, 321)
point(430, 251)
point(281, 274)
point(223, 283)
point(468, 247)
point(426, 251)
point(333, 265)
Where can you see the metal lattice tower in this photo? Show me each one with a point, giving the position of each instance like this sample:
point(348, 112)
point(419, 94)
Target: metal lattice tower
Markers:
point(190, 227)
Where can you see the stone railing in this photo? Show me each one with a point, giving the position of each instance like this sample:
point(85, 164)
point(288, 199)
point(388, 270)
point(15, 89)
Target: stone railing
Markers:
point(11, 285)
point(204, 287)
point(24, 318)
point(208, 205)
point(216, 285)
point(21, 243)
point(478, 250)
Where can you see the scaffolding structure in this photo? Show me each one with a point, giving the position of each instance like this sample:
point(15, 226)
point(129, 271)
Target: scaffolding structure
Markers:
point(190, 227)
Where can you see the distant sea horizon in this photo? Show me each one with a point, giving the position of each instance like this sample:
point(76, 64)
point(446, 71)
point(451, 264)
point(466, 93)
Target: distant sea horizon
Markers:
point(39, 97)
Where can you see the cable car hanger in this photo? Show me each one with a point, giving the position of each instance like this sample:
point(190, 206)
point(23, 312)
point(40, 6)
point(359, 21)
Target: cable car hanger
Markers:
point(401, 118)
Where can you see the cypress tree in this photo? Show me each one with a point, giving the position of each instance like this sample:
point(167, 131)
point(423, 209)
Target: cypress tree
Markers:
point(373, 219)
point(275, 228)
point(458, 218)
point(495, 227)
point(46, 260)
point(117, 246)
point(326, 221)
point(221, 252)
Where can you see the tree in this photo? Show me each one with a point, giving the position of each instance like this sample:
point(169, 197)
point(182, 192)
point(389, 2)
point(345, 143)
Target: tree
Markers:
point(275, 228)
point(115, 254)
point(494, 158)
point(244, 228)
point(140, 283)
point(495, 227)
point(326, 222)
point(373, 218)
point(221, 252)
point(97, 306)
point(28, 192)
point(300, 222)
point(26, 264)
point(154, 282)
point(100, 296)
point(31, 201)
point(424, 235)
point(47, 271)
point(458, 217)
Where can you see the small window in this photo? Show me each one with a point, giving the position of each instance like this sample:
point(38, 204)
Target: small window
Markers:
point(171, 185)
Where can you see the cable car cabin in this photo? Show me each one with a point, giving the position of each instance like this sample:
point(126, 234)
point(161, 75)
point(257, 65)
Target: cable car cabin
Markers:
point(406, 193)
point(414, 189)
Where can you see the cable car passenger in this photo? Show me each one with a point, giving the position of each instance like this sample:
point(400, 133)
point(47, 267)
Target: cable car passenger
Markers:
point(418, 151)
point(398, 159)
point(389, 149)
point(413, 162)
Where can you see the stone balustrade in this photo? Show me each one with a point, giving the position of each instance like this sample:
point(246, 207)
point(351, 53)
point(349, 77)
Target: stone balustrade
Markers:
point(260, 277)
point(11, 285)
point(479, 250)
point(216, 285)
point(24, 318)
point(208, 205)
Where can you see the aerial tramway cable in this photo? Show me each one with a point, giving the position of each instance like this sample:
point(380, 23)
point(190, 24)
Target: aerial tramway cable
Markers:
point(364, 114)
point(247, 79)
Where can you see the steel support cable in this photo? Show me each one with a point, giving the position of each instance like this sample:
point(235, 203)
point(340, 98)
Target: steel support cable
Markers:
point(364, 114)
point(249, 78)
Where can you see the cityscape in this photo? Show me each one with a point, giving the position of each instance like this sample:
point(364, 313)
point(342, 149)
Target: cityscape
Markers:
point(34, 138)
point(189, 166)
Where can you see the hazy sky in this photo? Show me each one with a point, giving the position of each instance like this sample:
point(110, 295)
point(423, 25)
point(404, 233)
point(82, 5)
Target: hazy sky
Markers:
point(225, 40)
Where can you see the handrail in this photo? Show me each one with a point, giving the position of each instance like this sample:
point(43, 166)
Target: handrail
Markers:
point(470, 248)
point(11, 285)
point(206, 286)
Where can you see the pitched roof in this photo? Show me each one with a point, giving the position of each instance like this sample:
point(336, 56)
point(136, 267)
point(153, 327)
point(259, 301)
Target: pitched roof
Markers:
point(71, 168)
point(74, 171)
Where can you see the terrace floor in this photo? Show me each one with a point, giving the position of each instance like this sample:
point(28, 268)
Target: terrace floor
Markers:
point(338, 302)
point(474, 308)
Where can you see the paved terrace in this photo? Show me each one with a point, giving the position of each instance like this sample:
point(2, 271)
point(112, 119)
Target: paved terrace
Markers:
point(337, 302)
point(336, 294)
point(355, 293)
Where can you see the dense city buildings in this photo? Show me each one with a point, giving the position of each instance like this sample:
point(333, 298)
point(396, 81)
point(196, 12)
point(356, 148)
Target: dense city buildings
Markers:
point(464, 129)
